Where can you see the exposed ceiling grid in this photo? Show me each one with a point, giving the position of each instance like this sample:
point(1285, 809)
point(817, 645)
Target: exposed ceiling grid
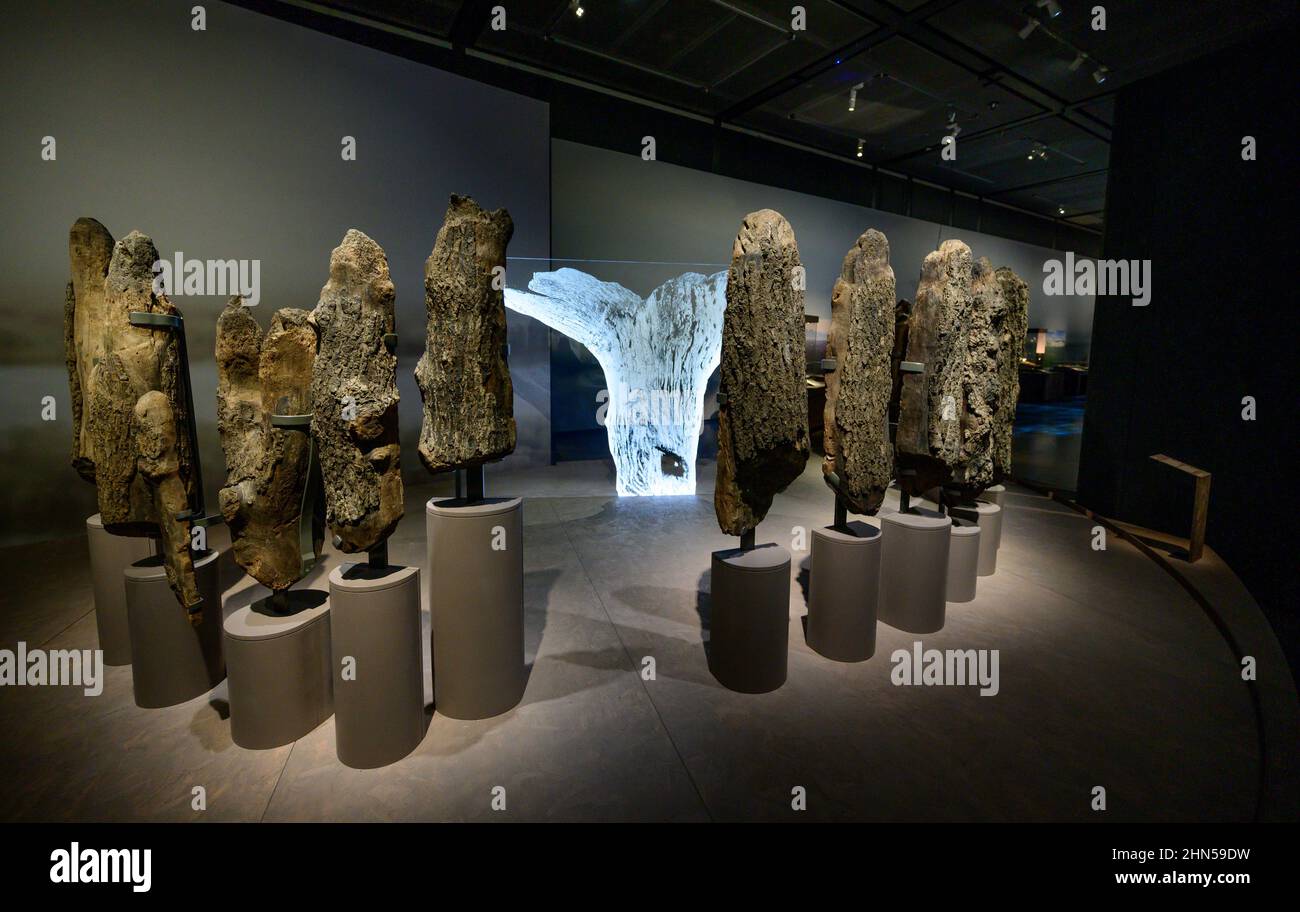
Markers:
point(1026, 85)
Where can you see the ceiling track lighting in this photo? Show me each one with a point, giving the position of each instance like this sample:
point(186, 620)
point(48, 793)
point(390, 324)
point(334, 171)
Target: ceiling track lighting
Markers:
point(853, 96)
point(861, 143)
point(1052, 10)
point(954, 128)
point(576, 6)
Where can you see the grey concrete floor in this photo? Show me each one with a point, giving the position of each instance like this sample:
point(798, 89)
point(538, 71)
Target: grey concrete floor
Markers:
point(1111, 675)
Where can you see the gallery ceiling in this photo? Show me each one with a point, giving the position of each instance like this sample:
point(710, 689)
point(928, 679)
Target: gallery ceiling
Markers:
point(1028, 84)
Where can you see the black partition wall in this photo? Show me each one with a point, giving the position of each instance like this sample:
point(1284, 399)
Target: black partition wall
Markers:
point(1174, 377)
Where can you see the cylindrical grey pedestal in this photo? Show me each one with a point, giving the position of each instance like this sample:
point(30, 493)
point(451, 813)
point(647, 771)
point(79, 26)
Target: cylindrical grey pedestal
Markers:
point(476, 605)
point(989, 519)
point(278, 667)
point(749, 619)
point(993, 495)
point(378, 675)
point(914, 570)
point(963, 562)
point(843, 586)
point(172, 661)
point(110, 555)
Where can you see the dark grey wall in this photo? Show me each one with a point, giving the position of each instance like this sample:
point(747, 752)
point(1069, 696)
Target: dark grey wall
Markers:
point(225, 143)
point(1170, 377)
point(596, 119)
point(614, 206)
point(639, 223)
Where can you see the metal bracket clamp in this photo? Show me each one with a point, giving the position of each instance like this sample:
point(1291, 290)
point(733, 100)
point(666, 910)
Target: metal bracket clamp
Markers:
point(307, 507)
point(292, 422)
point(216, 519)
point(904, 499)
point(922, 443)
point(161, 320)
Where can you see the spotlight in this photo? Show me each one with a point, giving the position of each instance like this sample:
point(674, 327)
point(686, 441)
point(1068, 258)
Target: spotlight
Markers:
point(853, 96)
point(1028, 30)
point(860, 145)
point(1078, 62)
point(576, 6)
point(1060, 210)
point(1053, 8)
point(1099, 75)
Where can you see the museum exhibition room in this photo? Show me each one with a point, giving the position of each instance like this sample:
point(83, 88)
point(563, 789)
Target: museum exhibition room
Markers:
point(655, 411)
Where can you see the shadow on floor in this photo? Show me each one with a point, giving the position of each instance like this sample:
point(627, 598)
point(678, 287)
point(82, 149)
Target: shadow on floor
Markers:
point(704, 607)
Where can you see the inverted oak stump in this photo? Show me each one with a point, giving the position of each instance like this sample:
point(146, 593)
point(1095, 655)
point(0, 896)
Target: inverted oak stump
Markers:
point(1010, 320)
point(927, 445)
point(354, 396)
point(130, 412)
point(763, 411)
point(268, 468)
point(980, 383)
point(858, 461)
point(463, 375)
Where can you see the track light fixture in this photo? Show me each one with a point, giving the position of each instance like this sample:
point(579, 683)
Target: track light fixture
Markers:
point(576, 6)
point(853, 96)
point(1060, 210)
point(1053, 9)
point(861, 143)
